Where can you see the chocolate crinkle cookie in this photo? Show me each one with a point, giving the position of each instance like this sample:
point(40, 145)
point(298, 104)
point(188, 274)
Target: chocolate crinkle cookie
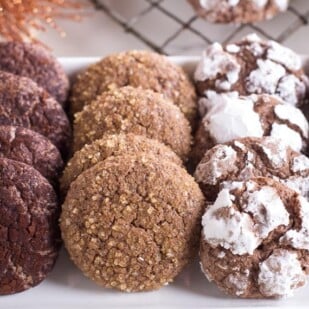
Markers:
point(247, 158)
point(38, 64)
point(133, 110)
point(30, 237)
point(230, 117)
point(132, 222)
point(254, 241)
point(143, 69)
point(23, 103)
point(113, 145)
point(252, 66)
point(238, 11)
point(29, 147)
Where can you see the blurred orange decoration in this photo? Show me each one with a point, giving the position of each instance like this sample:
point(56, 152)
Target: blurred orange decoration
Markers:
point(18, 18)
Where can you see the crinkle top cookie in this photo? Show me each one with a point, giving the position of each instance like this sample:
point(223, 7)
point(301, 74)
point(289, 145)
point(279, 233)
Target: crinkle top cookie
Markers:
point(252, 66)
point(230, 117)
point(246, 158)
point(254, 240)
point(238, 11)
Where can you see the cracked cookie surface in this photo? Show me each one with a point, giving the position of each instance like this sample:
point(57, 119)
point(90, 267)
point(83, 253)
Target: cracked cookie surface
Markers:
point(142, 69)
point(36, 63)
point(238, 11)
point(133, 110)
point(230, 117)
point(132, 222)
point(23, 103)
point(30, 237)
point(113, 145)
point(252, 66)
point(247, 158)
point(254, 241)
point(29, 147)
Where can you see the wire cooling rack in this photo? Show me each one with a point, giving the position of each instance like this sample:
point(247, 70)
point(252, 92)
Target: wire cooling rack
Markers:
point(171, 26)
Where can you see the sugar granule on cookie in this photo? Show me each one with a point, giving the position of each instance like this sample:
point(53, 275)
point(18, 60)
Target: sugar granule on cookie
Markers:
point(140, 69)
point(30, 236)
point(132, 222)
point(137, 111)
point(113, 145)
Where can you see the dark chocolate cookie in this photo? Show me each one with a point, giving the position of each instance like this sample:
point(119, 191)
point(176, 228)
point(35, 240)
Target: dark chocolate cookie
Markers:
point(29, 147)
point(29, 232)
point(37, 63)
point(23, 103)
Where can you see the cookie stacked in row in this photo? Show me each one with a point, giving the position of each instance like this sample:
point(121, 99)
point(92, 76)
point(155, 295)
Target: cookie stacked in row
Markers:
point(254, 240)
point(34, 134)
point(131, 216)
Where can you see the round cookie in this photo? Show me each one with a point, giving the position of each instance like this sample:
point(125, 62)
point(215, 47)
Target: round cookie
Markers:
point(142, 69)
point(133, 110)
point(252, 66)
point(132, 222)
point(230, 117)
point(249, 157)
point(26, 146)
point(113, 145)
point(254, 241)
point(36, 63)
point(23, 103)
point(239, 11)
point(30, 237)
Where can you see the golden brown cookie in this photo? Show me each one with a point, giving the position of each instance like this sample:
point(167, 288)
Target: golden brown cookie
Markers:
point(254, 241)
point(142, 69)
point(133, 110)
point(132, 222)
point(113, 145)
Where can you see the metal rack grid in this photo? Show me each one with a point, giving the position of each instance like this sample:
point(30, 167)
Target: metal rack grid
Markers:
point(201, 32)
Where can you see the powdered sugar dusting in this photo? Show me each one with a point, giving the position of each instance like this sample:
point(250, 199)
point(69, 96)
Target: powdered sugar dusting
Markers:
point(300, 164)
point(299, 239)
point(213, 99)
point(232, 119)
point(275, 151)
point(300, 184)
point(267, 209)
point(280, 274)
point(240, 282)
point(224, 225)
point(287, 135)
point(292, 115)
point(221, 163)
point(290, 89)
point(283, 55)
point(265, 78)
point(282, 4)
point(216, 61)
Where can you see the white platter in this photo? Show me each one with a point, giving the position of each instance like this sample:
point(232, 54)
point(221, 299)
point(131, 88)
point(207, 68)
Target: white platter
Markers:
point(67, 288)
